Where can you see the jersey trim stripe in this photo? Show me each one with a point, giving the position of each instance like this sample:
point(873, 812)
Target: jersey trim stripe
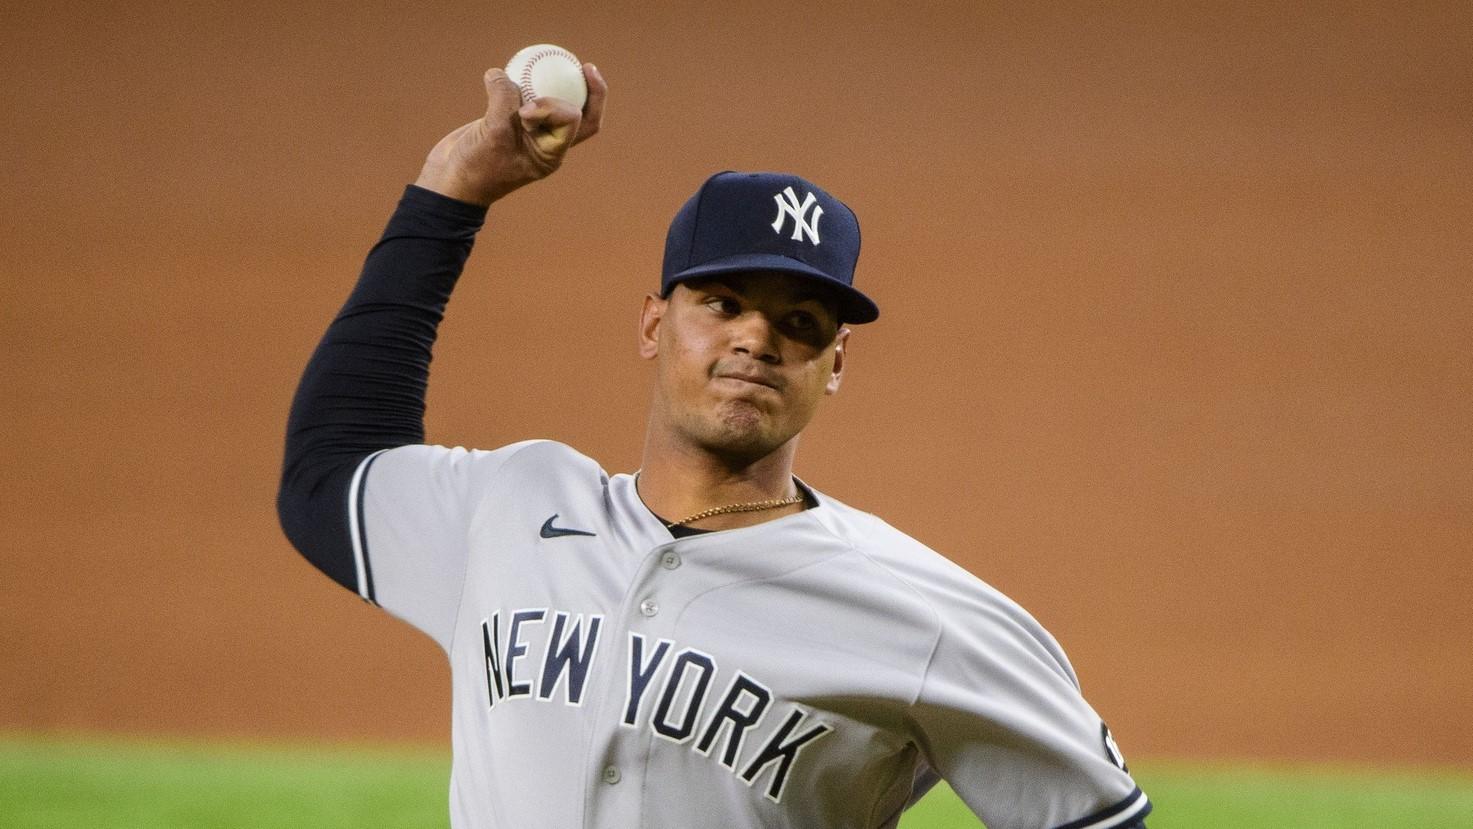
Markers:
point(1132, 809)
point(358, 530)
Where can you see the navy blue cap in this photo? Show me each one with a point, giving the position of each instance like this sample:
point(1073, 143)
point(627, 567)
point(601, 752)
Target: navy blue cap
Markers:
point(767, 222)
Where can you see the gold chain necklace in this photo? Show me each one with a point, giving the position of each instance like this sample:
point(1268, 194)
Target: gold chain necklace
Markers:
point(750, 506)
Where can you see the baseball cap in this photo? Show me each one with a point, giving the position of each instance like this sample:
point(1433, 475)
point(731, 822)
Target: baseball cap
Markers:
point(767, 222)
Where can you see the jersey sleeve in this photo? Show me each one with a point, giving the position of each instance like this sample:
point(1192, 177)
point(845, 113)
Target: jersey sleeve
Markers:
point(409, 513)
point(1001, 718)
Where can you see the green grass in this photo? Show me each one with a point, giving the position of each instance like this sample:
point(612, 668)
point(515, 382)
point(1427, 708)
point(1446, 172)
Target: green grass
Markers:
point(48, 783)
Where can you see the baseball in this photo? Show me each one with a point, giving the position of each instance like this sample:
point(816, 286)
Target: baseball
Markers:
point(548, 71)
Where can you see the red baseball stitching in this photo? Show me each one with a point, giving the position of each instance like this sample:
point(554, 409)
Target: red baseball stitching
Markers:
point(526, 85)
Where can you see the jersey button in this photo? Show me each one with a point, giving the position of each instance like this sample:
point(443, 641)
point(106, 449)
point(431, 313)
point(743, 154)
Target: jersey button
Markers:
point(670, 560)
point(611, 775)
point(649, 607)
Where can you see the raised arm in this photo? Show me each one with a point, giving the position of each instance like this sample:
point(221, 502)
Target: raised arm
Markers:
point(364, 387)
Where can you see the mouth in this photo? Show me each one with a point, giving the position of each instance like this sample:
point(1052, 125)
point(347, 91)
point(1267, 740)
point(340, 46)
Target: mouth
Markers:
point(742, 379)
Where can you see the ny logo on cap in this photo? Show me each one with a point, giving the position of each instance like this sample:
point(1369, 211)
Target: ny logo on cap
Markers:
point(801, 226)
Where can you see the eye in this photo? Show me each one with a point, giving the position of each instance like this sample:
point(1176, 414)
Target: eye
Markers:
point(724, 305)
point(802, 321)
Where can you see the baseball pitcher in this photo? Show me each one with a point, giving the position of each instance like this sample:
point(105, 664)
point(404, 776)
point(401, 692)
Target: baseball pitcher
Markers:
point(708, 641)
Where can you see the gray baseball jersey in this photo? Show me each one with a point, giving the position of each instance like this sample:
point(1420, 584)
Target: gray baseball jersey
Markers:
point(819, 669)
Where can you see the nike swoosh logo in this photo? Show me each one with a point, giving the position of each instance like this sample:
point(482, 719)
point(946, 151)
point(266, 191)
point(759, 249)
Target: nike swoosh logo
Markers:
point(549, 531)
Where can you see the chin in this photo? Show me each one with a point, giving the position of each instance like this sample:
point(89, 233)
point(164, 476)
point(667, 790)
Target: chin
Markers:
point(741, 431)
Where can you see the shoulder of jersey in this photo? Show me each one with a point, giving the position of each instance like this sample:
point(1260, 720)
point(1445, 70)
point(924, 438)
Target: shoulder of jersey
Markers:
point(942, 583)
point(547, 449)
point(550, 458)
point(889, 547)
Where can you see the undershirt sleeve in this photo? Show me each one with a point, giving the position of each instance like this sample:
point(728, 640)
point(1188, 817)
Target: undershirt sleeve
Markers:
point(363, 390)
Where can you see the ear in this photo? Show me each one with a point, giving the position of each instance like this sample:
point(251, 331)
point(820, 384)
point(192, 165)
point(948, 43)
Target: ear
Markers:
point(841, 348)
point(649, 325)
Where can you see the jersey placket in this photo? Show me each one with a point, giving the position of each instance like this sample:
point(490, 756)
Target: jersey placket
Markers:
point(619, 755)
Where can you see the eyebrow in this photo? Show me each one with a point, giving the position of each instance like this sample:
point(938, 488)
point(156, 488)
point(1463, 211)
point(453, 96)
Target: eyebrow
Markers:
point(811, 295)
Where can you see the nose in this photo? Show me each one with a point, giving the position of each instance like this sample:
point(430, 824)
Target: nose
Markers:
point(755, 336)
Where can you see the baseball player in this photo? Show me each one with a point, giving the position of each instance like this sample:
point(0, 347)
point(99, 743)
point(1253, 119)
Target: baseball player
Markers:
point(709, 641)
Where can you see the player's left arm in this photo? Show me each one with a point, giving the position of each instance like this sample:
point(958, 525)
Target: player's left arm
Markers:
point(1001, 718)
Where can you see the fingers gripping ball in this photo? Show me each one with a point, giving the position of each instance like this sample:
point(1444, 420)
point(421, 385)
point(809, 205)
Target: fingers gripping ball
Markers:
point(548, 71)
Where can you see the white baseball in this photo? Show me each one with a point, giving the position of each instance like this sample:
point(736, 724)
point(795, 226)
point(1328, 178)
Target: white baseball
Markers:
point(548, 71)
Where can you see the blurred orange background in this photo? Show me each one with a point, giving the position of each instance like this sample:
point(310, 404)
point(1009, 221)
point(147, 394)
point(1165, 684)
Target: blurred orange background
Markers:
point(1176, 345)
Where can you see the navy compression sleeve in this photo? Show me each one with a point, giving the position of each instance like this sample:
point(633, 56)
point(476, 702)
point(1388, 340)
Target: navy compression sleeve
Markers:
point(364, 387)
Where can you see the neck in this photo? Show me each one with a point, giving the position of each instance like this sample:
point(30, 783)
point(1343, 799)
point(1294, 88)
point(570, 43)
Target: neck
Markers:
point(677, 479)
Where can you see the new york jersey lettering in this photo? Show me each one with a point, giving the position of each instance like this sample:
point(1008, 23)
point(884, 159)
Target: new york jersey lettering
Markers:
point(783, 751)
point(570, 656)
point(669, 691)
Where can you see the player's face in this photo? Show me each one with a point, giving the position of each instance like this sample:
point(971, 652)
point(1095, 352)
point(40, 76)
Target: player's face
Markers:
point(742, 360)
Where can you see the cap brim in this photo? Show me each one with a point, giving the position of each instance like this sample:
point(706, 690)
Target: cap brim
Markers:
point(854, 307)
